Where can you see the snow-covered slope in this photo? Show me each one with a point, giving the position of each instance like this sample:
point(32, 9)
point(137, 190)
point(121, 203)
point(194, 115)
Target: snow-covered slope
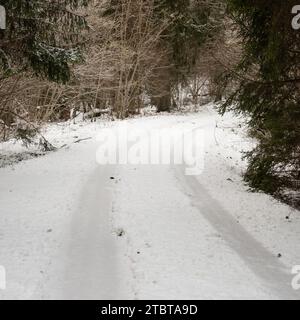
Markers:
point(71, 228)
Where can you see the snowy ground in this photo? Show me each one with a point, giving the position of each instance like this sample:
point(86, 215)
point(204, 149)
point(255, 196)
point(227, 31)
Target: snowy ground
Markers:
point(67, 230)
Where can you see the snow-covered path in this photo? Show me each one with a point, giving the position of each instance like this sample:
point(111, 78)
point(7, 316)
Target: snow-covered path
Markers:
point(68, 230)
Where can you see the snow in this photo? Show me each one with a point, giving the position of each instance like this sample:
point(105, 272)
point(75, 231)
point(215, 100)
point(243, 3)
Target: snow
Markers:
point(70, 231)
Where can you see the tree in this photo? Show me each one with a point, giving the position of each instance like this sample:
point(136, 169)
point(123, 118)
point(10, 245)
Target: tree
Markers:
point(192, 24)
point(137, 53)
point(42, 36)
point(268, 91)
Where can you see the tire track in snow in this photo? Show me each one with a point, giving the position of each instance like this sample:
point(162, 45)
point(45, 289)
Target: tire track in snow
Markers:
point(261, 261)
point(92, 269)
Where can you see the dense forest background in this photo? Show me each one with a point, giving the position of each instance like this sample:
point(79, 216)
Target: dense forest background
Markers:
point(115, 57)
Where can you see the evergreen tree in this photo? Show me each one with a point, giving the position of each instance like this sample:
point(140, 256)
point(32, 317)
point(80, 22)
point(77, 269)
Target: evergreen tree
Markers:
point(269, 91)
point(192, 24)
point(42, 36)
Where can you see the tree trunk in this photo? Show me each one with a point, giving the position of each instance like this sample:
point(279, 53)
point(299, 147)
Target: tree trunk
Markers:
point(163, 104)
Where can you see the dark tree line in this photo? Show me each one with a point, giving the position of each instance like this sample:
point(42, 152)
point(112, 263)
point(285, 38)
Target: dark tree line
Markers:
point(41, 35)
point(269, 91)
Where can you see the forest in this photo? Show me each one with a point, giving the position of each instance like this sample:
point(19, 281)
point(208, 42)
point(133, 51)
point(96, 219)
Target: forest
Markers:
point(116, 57)
point(149, 149)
